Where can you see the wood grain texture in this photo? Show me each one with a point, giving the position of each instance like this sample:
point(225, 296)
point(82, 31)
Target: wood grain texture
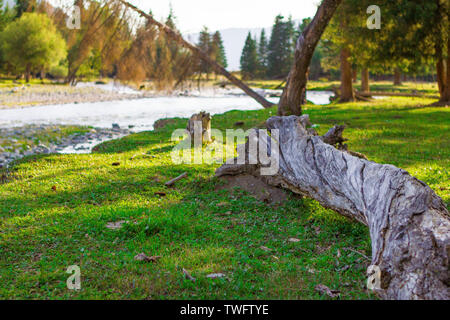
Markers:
point(409, 224)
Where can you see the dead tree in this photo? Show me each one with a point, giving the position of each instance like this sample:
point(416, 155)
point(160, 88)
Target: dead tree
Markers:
point(409, 224)
point(294, 94)
point(175, 36)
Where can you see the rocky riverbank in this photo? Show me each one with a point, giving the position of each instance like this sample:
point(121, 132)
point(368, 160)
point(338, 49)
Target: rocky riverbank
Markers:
point(19, 142)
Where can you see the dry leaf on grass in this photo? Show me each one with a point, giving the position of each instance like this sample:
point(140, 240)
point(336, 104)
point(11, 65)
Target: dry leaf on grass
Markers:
point(323, 289)
point(265, 248)
point(294, 240)
point(144, 257)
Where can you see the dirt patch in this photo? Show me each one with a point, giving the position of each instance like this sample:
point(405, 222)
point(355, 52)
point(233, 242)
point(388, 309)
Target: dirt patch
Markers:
point(256, 188)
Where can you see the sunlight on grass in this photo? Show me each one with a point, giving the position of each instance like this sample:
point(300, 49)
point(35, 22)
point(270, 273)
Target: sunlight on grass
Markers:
point(55, 208)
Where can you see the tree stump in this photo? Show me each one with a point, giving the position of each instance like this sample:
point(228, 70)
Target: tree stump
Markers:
point(200, 123)
point(409, 224)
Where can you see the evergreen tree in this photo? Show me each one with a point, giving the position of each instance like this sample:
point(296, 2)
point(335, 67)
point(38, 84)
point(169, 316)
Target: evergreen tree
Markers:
point(281, 48)
point(6, 16)
point(249, 58)
point(25, 6)
point(32, 43)
point(263, 49)
point(219, 49)
point(205, 45)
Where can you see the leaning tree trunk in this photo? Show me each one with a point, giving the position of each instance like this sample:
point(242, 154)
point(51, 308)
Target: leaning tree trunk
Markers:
point(409, 224)
point(294, 94)
point(175, 36)
point(347, 93)
point(365, 80)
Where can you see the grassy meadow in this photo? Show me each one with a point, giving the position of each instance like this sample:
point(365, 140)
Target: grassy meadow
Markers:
point(54, 212)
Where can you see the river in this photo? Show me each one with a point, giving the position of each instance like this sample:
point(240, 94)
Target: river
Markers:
point(140, 114)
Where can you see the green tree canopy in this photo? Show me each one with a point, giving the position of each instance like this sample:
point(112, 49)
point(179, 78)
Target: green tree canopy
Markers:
point(263, 54)
point(6, 15)
point(32, 43)
point(204, 43)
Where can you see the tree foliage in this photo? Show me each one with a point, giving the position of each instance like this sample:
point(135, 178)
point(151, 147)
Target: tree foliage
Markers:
point(249, 58)
point(32, 44)
point(281, 48)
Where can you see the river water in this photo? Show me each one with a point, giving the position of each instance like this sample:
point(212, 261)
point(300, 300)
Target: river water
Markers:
point(140, 114)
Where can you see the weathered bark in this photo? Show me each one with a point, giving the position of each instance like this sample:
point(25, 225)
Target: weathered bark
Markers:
point(365, 80)
point(175, 36)
point(347, 93)
point(294, 94)
point(397, 77)
point(409, 224)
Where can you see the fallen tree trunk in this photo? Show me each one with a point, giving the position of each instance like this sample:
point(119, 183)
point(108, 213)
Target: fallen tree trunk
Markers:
point(175, 36)
point(409, 224)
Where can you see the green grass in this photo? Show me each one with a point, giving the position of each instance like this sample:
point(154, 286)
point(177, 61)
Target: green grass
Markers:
point(11, 83)
point(54, 210)
point(426, 88)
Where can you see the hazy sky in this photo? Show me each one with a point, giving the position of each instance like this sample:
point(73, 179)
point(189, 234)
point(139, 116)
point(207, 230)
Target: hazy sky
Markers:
point(223, 14)
point(192, 15)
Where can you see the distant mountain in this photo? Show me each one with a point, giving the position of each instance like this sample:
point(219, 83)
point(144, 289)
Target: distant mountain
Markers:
point(233, 40)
